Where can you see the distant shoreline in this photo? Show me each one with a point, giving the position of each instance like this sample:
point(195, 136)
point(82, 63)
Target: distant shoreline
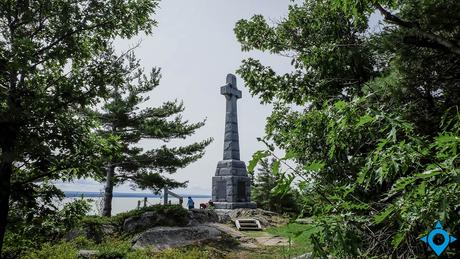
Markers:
point(70, 194)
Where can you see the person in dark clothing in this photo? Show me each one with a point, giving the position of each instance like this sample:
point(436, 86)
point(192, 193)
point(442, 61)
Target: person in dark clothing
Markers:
point(190, 203)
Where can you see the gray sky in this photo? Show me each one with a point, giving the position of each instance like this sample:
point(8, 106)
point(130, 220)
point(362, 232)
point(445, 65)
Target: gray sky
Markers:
point(196, 48)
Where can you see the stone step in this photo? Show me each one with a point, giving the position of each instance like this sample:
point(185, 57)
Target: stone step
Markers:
point(248, 224)
point(249, 228)
point(246, 220)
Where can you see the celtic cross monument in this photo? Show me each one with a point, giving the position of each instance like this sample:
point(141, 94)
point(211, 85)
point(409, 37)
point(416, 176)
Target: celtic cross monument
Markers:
point(231, 186)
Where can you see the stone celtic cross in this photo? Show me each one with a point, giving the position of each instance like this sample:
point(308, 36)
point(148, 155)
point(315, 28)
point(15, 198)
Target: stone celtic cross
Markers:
point(231, 186)
point(231, 139)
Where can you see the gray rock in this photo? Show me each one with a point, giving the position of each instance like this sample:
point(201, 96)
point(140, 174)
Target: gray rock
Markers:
point(93, 232)
point(200, 216)
point(223, 215)
point(168, 237)
point(133, 223)
point(304, 256)
point(147, 220)
point(108, 230)
point(74, 233)
point(87, 253)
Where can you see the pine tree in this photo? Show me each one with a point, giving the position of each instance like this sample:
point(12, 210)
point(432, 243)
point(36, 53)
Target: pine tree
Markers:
point(53, 66)
point(122, 117)
point(265, 195)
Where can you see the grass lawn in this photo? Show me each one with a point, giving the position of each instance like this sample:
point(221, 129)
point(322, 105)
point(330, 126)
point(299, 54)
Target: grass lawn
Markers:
point(298, 234)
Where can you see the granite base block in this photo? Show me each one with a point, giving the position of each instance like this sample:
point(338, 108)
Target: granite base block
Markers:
point(235, 205)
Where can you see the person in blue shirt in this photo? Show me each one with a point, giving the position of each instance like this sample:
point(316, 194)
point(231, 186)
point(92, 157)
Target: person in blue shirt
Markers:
point(190, 203)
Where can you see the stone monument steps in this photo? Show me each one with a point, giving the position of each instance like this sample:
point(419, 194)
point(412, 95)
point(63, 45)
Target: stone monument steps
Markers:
point(248, 224)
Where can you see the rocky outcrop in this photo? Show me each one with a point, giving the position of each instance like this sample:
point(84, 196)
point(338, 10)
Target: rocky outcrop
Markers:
point(151, 219)
point(92, 232)
point(167, 237)
point(199, 216)
point(147, 220)
point(98, 228)
point(223, 215)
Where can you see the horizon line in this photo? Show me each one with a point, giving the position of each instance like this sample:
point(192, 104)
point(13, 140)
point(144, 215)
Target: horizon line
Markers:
point(72, 194)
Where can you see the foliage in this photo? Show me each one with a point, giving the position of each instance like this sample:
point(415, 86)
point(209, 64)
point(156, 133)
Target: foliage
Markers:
point(116, 248)
point(57, 251)
point(113, 249)
point(369, 118)
point(121, 117)
point(82, 242)
point(299, 233)
point(55, 63)
point(265, 194)
point(41, 222)
point(189, 253)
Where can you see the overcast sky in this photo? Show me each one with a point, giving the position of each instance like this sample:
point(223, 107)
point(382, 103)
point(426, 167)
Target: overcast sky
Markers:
point(196, 48)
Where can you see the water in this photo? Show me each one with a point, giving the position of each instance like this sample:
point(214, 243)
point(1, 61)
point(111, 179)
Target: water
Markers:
point(123, 204)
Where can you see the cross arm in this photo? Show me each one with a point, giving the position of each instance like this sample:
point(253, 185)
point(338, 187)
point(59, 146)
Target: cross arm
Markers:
point(228, 90)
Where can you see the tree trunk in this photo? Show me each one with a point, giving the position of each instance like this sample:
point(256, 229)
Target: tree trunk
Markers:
point(6, 169)
point(108, 191)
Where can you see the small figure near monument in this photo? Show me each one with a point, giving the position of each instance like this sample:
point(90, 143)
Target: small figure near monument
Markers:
point(190, 203)
point(209, 205)
point(231, 186)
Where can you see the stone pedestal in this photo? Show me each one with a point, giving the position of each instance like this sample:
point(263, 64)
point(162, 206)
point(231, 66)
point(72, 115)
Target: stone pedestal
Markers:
point(231, 187)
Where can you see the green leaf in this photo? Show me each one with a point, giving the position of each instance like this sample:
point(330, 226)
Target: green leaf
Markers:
point(276, 167)
point(340, 105)
point(397, 239)
point(429, 173)
point(379, 218)
point(402, 183)
point(314, 166)
point(421, 189)
point(289, 155)
point(256, 157)
point(364, 120)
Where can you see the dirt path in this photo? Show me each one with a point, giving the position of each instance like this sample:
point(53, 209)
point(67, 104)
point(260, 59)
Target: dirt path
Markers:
point(261, 239)
point(271, 240)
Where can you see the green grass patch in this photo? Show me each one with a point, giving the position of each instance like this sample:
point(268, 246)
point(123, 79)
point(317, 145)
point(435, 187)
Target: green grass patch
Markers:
point(268, 252)
point(298, 234)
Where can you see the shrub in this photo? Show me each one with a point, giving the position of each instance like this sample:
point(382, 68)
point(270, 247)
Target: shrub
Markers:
point(38, 222)
point(82, 242)
point(145, 253)
point(113, 249)
point(58, 251)
point(189, 253)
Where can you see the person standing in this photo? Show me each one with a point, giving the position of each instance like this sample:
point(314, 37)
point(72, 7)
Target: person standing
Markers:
point(190, 203)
